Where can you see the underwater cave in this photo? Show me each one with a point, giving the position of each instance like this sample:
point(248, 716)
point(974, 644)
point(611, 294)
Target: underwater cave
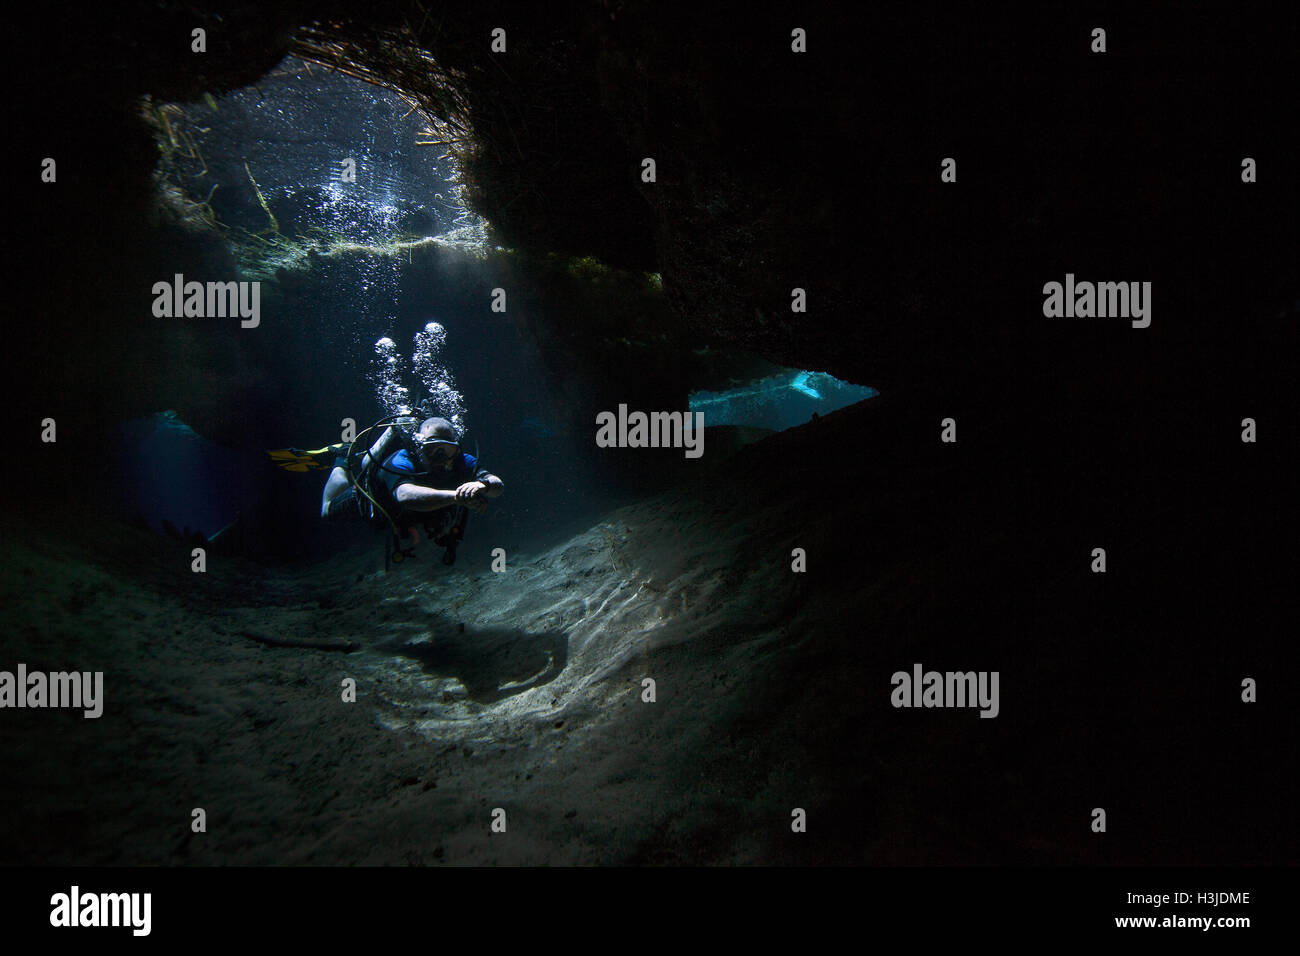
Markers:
point(337, 224)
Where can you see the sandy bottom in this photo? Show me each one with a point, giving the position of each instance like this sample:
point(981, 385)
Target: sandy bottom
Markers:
point(520, 690)
point(523, 690)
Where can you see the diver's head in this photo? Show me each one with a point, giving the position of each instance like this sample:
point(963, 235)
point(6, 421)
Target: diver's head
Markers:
point(439, 443)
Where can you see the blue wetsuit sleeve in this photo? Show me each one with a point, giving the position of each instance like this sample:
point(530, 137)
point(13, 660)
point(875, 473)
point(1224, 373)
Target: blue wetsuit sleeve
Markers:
point(396, 470)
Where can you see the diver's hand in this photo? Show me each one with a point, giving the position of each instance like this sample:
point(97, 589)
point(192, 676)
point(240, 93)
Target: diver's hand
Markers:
point(471, 491)
point(477, 504)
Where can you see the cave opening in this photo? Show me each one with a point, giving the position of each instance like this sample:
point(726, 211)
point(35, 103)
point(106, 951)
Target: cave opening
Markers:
point(782, 400)
point(308, 163)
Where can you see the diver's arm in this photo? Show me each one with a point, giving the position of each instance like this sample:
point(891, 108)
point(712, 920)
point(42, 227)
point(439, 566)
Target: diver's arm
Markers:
point(415, 497)
point(486, 486)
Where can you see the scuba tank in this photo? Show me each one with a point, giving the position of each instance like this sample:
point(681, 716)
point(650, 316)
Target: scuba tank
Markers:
point(362, 465)
point(389, 442)
point(393, 440)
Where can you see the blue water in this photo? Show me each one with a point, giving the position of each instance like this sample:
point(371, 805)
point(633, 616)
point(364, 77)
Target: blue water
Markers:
point(779, 401)
point(165, 470)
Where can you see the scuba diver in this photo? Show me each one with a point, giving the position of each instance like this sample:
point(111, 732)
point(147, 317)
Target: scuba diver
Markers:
point(407, 480)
